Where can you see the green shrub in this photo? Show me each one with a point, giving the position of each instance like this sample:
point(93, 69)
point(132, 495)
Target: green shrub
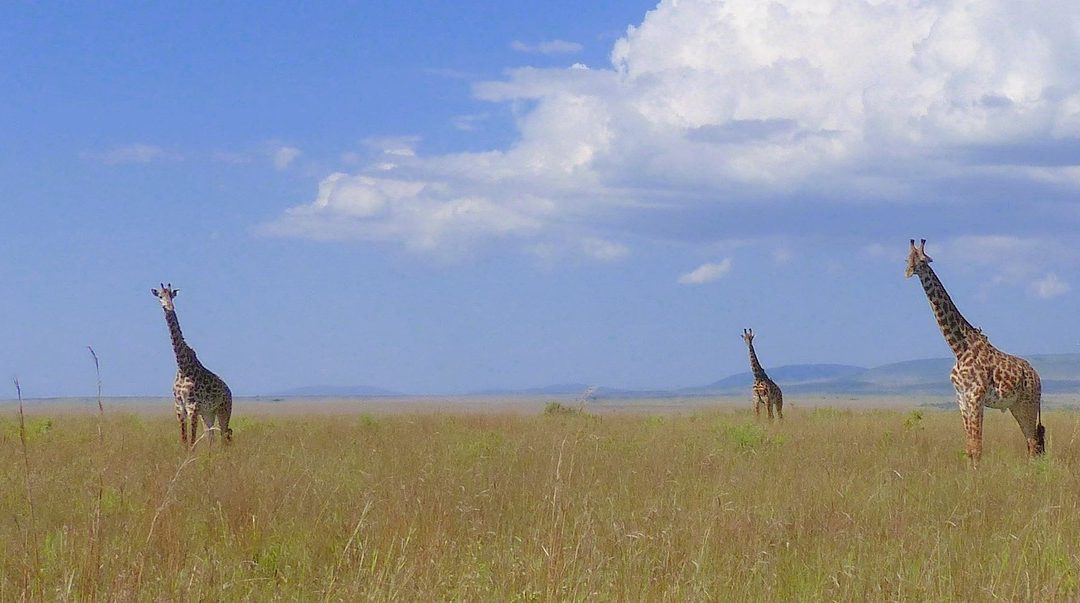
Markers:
point(913, 420)
point(555, 409)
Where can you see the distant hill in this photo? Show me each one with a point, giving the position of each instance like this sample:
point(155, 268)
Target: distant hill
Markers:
point(344, 391)
point(791, 374)
point(1060, 374)
point(561, 389)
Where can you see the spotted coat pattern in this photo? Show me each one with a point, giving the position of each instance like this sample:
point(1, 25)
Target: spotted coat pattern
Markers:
point(766, 393)
point(197, 391)
point(983, 375)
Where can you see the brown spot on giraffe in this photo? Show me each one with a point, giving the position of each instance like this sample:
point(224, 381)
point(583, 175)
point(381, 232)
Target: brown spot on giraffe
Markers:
point(197, 391)
point(766, 393)
point(983, 375)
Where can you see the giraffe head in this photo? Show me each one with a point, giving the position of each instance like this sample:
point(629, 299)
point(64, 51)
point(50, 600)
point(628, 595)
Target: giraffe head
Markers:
point(917, 260)
point(748, 336)
point(165, 295)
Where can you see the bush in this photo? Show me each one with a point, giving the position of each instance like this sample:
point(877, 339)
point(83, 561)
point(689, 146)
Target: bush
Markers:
point(913, 420)
point(555, 409)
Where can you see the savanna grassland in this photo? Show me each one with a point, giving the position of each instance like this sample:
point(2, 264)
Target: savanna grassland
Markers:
point(832, 504)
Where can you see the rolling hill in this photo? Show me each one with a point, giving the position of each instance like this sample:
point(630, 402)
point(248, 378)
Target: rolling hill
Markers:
point(1060, 374)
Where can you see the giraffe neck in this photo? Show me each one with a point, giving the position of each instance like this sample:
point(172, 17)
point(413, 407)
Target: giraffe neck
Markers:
point(185, 356)
point(954, 326)
point(755, 366)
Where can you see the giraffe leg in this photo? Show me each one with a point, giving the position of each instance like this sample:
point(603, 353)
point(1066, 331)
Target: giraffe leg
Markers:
point(210, 419)
point(224, 414)
point(757, 407)
point(180, 418)
point(769, 407)
point(193, 416)
point(780, 407)
point(971, 411)
point(1026, 413)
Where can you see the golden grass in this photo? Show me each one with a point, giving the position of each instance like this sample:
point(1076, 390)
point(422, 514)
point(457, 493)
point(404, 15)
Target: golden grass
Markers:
point(833, 504)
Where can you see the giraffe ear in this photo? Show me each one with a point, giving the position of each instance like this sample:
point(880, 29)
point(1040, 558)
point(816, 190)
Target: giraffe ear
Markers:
point(155, 292)
point(175, 292)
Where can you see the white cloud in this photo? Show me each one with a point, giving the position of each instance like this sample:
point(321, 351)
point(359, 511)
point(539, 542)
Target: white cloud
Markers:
point(467, 123)
point(706, 273)
point(1066, 176)
point(1012, 261)
point(425, 215)
point(741, 101)
point(551, 252)
point(132, 153)
point(547, 47)
point(1049, 286)
point(399, 146)
point(284, 155)
point(606, 251)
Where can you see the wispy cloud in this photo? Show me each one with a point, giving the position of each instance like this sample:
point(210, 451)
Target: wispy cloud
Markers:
point(395, 146)
point(277, 154)
point(547, 47)
point(1049, 286)
point(602, 250)
point(706, 273)
point(132, 153)
point(1024, 262)
point(284, 155)
point(467, 123)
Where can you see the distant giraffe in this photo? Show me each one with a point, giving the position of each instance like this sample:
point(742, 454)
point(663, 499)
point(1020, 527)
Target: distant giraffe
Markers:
point(982, 375)
point(196, 390)
point(766, 392)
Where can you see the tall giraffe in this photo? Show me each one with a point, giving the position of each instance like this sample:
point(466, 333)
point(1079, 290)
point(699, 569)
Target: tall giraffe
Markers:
point(983, 375)
point(766, 392)
point(196, 390)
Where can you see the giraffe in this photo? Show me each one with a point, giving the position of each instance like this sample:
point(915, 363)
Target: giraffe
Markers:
point(983, 375)
point(766, 392)
point(196, 390)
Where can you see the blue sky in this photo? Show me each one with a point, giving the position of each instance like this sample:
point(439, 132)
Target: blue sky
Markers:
point(447, 197)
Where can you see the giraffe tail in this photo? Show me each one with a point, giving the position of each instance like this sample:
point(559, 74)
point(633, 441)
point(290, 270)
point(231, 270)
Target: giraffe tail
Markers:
point(1040, 439)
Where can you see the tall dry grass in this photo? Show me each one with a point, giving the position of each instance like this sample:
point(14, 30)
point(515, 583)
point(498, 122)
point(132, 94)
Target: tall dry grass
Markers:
point(708, 506)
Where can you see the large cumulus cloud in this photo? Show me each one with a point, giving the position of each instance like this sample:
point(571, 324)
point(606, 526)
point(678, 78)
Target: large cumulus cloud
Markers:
point(739, 101)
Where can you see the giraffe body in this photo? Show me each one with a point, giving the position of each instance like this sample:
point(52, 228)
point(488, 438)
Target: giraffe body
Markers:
point(197, 391)
point(202, 394)
point(983, 375)
point(766, 393)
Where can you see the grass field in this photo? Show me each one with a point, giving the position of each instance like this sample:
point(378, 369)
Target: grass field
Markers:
point(706, 505)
